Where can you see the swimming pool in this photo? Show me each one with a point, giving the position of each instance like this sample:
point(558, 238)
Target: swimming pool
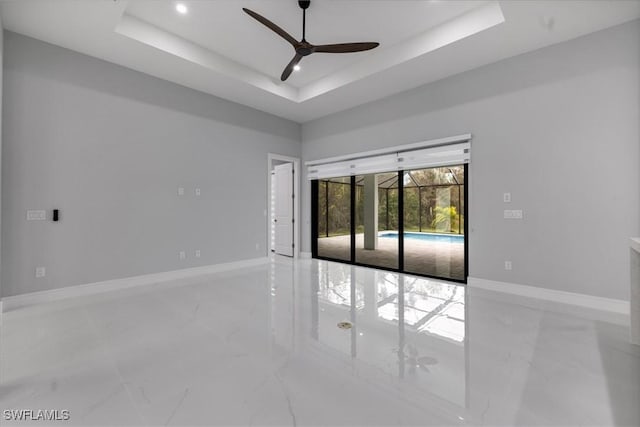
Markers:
point(429, 237)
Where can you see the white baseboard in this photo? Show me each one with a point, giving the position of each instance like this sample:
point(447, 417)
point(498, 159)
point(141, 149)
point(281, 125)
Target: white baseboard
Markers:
point(305, 255)
point(581, 300)
point(34, 298)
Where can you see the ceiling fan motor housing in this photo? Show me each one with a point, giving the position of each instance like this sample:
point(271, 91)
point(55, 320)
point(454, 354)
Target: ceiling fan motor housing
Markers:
point(304, 49)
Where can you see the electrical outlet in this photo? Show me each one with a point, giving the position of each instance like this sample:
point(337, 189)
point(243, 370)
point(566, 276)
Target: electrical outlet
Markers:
point(180, 191)
point(40, 272)
point(182, 255)
point(506, 197)
point(197, 192)
point(197, 253)
point(508, 265)
point(257, 246)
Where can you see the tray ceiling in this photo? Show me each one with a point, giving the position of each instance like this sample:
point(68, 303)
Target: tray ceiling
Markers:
point(218, 49)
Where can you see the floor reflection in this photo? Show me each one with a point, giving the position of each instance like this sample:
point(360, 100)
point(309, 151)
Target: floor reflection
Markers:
point(261, 346)
point(409, 327)
point(410, 346)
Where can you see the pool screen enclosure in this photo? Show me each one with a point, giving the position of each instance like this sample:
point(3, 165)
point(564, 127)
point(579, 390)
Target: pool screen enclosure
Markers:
point(411, 221)
point(400, 208)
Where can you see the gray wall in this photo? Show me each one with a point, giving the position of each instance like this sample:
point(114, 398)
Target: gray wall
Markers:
point(1, 85)
point(109, 147)
point(558, 128)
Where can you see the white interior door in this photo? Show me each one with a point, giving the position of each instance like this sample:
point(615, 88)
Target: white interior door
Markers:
point(283, 218)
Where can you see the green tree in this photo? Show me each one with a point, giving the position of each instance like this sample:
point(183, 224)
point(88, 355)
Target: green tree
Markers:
point(444, 216)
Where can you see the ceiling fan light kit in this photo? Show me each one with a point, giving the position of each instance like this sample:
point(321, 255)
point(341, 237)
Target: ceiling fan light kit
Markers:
point(303, 47)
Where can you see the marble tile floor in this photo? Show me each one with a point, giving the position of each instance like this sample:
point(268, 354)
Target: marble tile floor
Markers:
point(261, 346)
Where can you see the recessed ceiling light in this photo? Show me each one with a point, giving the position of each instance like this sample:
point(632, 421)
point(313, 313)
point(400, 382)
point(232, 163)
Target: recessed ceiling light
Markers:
point(181, 8)
point(296, 68)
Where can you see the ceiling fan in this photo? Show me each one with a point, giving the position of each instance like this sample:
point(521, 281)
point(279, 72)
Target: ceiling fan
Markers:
point(303, 47)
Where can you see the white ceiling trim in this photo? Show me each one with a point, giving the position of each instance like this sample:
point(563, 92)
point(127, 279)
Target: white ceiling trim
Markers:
point(150, 35)
point(463, 26)
point(473, 22)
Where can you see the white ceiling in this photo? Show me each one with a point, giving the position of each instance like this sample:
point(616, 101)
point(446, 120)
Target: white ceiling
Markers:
point(222, 27)
point(218, 49)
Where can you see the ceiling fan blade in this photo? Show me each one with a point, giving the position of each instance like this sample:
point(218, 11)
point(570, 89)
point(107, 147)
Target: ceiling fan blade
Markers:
point(345, 47)
point(289, 68)
point(273, 27)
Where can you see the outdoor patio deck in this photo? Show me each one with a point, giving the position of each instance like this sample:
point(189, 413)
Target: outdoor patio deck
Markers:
point(442, 259)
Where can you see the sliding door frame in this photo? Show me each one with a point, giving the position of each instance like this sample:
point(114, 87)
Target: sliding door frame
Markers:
point(400, 221)
point(466, 222)
point(315, 187)
point(400, 269)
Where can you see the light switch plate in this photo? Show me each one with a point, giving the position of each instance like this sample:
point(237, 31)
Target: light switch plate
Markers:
point(506, 197)
point(40, 272)
point(197, 253)
point(36, 215)
point(180, 191)
point(197, 191)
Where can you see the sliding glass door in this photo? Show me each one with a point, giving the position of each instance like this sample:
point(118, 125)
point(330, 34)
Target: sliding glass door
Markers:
point(434, 214)
point(334, 219)
point(410, 221)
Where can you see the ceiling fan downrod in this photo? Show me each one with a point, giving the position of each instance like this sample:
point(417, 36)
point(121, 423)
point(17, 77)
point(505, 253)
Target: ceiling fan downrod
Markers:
point(304, 4)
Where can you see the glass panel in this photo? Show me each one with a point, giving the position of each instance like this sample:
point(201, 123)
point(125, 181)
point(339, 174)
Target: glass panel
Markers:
point(434, 222)
point(334, 218)
point(376, 221)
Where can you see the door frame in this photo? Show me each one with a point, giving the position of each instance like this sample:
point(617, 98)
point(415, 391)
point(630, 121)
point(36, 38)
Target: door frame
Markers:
point(272, 158)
